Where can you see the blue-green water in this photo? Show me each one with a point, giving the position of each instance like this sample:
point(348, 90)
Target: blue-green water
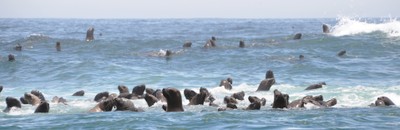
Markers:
point(126, 53)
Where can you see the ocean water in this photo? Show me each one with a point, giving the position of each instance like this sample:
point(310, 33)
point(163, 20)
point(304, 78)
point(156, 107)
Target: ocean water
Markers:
point(128, 52)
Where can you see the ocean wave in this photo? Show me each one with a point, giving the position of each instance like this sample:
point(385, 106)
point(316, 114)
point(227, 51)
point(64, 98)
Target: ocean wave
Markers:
point(350, 26)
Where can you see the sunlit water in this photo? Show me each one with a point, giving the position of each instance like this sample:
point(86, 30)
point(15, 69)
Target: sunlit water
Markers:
point(127, 52)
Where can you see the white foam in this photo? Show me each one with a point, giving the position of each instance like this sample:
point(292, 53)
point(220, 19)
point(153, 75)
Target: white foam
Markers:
point(348, 26)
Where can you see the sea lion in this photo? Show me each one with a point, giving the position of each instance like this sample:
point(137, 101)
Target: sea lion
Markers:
point(317, 101)
point(229, 100)
point(1, 88)
point(11, 57)
point(341, 53)
point(32, 99)
point(18, 47)
point(210, 97)
point(104, 105)
point(252, 99)
point(256, 105)
point(187, 44)
point(331, 102)
point(213, 38)
point(158, 93)
point(383, 101)
point(124, 92)
point(89, 34)
point(297, 36)
point(123, 89)
point(269, 80)
point(101, 96)
point(150, 99)
point(23, 101)
point(315, 86)
point(138, 91)
point(325, 28)
point(125, 105)
point(301, 57)
point(198, 99)
point(38, 94)
point(11, 103)
point(149, 91)
point(227, 85)
point(43, 107)
point(269, 74)
point(57, 99)
point(174, 99)
point(241, 44)
point(210, 43)
point(266, 84)
point(58, 46)
point(189, 94)
point(280, 100)
point(239, 95)
point(79, 93)
point(168, 53)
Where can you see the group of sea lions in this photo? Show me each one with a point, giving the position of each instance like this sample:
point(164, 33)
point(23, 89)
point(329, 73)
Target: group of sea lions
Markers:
point(172, 96)
point(172, 99)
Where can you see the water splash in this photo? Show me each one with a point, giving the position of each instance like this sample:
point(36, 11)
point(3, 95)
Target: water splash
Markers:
point(349, 26)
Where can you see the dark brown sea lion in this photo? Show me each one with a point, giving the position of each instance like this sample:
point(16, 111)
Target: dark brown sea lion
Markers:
point(267, 83)
point(297, 36)
point(124, 92)
point(89, 34)
point(325, 28)
point(43, 107)
point(239, 95)
point(280, 100)
point(314, 100)
point(149, 91)
point(301, 57)
point(138, 91)
point(18, 47)
point(341, 53)
point(211, 43)
point(11, 103)
point(315, 86)
point(158, 93)
point(32, 99)
point(187, 44)
point(252, 99)
point(11, 57)
point(189, 94)
point(383, 101)
point(150, 99)
point(58, 46)
point(23, 101)
point(230, 100)
point(174, 99)
point(256, 105)
point(101, 96)
point(123, 104)
point(210, 97)
point(241, 44)
point(79, 93)
point(1, 88)
point(198, 99)
point(226, 83)
point(103, 106)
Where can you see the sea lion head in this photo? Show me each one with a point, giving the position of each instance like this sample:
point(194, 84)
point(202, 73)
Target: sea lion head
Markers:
point(174, 99)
